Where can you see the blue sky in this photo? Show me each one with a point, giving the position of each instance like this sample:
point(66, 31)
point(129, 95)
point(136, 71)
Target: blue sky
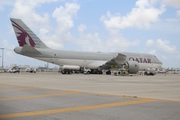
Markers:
point(144, 26)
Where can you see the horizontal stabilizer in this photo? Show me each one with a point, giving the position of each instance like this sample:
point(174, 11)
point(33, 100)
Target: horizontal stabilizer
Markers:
point(26, 49)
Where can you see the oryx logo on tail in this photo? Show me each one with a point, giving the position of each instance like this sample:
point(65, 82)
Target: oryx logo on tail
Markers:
point(23, 37)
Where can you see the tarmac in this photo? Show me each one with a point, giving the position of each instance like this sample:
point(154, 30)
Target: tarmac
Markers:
point(53, 96)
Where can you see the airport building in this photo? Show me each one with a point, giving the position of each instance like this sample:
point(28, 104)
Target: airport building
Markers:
point(173, 71)
point(14, 68)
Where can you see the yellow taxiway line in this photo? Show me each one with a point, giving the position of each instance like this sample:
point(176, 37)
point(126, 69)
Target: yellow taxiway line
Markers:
point(3, 85)
point(62, 110)
point(14, 89)
point(39, 96)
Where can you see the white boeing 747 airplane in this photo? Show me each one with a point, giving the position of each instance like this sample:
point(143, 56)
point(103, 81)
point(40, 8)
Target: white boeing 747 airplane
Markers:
point(31, 46)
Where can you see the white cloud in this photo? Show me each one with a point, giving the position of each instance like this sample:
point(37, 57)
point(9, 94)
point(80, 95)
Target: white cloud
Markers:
point(174, 3)
point(150, 42)
point(135, 43)
point(109, 43)
point(165, 46)
point(141, 16)
point(90, 42)
point(117, 43)
point(82, 27)
point(25, 10)
point(43, 31)
point(8, 51)
point(63, 16)
point(162, 45)
point(171, 20)
point(164, 57)
point(5, 3)
point(168, 26)
point(152, 52)
point(59, 35)
point(178, 13)
point(64, 19)
point(178, 57)
point(6, 45)
point(50, 40)
point(54, 44)
point(1, 8)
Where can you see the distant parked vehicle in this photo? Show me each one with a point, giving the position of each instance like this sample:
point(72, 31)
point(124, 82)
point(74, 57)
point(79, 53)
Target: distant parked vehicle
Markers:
point(32, 70)
point(87, 71)
point(14, 70)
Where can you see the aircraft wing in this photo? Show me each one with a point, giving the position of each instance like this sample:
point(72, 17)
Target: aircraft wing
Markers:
point(120, 59)
point(116, 61)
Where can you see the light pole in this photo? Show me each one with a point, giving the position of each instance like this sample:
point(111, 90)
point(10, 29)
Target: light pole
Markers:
point(2, 56)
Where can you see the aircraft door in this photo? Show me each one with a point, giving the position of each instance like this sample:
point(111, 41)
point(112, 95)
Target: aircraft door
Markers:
point(85, 61)
point(54, 58)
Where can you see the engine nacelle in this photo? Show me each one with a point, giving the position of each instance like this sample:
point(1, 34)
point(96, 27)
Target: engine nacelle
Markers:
point(132, 66)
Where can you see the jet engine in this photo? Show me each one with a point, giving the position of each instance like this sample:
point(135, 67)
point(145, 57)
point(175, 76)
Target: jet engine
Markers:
point(132, 66)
